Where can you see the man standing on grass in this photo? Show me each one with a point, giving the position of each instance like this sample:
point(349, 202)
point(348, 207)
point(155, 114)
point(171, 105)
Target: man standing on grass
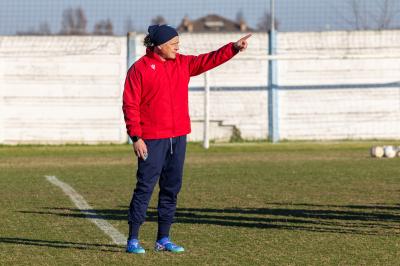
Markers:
point(155, 105)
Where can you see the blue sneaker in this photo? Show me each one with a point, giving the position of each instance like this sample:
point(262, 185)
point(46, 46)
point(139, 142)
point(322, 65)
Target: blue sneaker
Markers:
point(164, 244)
point(133, 246)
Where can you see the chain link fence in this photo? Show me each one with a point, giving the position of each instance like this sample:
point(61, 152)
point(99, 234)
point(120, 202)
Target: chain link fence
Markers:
point(336, 69)
point(102, 17)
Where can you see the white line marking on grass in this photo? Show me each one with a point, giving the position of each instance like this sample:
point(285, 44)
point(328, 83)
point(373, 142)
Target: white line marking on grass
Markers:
point(85, 208)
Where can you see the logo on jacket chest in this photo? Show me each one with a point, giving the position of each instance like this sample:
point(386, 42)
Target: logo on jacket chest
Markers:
point(153, 66)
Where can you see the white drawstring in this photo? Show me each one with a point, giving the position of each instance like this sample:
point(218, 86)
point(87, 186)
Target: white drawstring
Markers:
point(170, 140)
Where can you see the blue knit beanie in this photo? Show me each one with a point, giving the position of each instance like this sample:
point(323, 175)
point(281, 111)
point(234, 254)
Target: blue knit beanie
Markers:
point(160, 34)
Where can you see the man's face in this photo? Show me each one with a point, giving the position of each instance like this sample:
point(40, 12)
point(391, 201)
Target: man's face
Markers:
point(169, 49)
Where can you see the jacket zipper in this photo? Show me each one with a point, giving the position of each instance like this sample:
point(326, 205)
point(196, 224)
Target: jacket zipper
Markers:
point(171, 98)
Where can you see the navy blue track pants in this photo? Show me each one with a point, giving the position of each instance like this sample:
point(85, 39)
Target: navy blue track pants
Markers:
point(164, 163)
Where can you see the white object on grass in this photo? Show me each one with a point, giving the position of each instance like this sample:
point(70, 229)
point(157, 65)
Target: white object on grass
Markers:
point(377, 151)
point(390, 152)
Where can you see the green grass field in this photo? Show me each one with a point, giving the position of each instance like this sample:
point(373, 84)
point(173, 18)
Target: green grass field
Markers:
point(240, 204)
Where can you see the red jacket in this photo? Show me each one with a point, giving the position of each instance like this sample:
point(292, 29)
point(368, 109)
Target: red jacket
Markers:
point(155, 100)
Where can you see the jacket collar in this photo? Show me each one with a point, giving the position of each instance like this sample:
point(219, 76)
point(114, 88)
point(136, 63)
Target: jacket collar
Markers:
point(154, 55)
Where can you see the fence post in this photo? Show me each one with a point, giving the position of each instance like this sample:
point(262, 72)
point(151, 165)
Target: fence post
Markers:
point(273, 93)
point(206, 136)
point(2, 108)
point(131, 56)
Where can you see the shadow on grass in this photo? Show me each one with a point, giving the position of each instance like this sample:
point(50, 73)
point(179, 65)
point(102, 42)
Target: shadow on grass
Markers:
point(347, 219)
point(60, 244)
point(377, 207)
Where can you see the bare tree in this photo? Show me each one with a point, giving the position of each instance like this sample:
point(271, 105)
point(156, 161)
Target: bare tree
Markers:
point(158, 20)
point(81, 20)
point(264, 23)
point(129, 27)
point(103, 27)
point(240, 17)
point(379, 18)
point(73, 22)
point(359, 19)
point(30, 31)
point(241, 21)
point(43, 29)
point(387, 10)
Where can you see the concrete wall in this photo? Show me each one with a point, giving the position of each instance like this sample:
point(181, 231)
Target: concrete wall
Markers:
point(340, 99)
point(68, 89)
point(61, 89)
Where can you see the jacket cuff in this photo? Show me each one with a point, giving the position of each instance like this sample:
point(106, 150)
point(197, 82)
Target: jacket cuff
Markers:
point(135, 133)
point(234, 49)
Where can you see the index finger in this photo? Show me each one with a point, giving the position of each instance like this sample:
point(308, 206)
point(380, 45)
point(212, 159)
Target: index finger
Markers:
point(145, 149)
point(141, 153)
point(246, 37)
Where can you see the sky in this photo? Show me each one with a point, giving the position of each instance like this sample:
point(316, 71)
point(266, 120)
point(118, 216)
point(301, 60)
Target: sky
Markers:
point(293, 15)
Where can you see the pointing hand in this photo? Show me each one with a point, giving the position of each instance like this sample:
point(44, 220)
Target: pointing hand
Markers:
point(241, 44)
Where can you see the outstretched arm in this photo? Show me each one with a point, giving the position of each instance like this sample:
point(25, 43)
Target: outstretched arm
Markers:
point(204, 62)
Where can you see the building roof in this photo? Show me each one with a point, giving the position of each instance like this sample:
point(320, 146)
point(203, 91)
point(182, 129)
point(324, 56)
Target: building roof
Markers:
point(212, 23)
